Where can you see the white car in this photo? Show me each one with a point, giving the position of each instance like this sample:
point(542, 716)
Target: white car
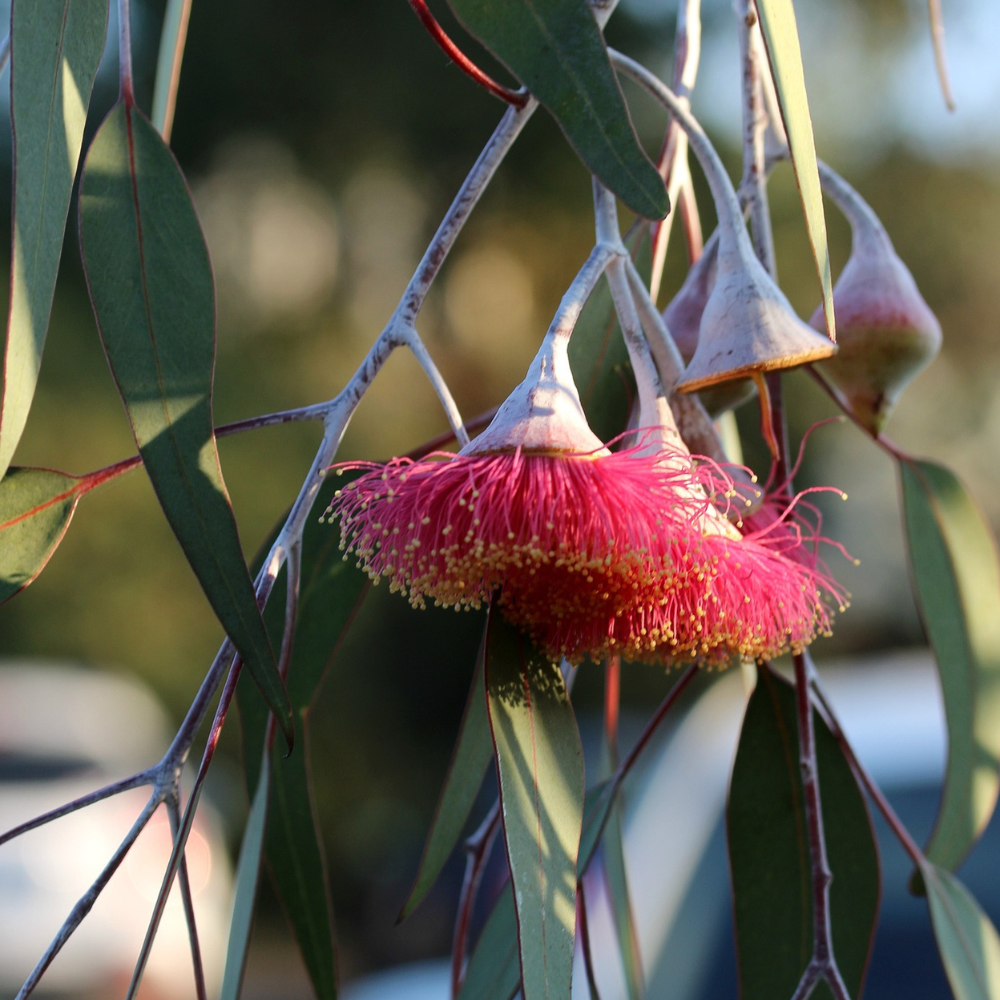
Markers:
point(66, 731)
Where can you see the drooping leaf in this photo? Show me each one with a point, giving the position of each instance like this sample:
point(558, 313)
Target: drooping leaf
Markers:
point(769, 851)
point(540, 770)
point(247, 878)
point(494, 970)
point(556, 49)
point(966, 939)
point(56, 47)
point(957, 582)
point(599, 358)
point(151, 286)
point(781, 37)
point(621, 905)
point(331, 591)
point(36, 506)
point(469, 762)
point(297, 863)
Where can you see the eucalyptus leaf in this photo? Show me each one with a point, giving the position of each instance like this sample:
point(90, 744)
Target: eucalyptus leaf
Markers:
point(956, 577)
point(781, 37)
point(469, 762)
point(56, 47)
point(247, 877)
point(36, 506)
point(557, 50)
point(966, 939)
point(540, 769)
point(769, 850)
point(150, 282)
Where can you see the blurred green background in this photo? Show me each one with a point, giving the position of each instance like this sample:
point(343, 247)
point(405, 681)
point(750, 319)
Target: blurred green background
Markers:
point(323, 141)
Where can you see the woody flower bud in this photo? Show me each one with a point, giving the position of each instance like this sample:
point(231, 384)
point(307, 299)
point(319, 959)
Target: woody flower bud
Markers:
point(886, 332)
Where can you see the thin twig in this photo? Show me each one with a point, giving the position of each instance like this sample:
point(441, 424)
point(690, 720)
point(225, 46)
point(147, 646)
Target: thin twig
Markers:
point(518, 98)
point(187, 899)
point(146, 777)
point(823, 964)
point(477, 849)
point(4, 52)
point(940, 59)
point(86, 902)
point(187, 820)
point(673, 164)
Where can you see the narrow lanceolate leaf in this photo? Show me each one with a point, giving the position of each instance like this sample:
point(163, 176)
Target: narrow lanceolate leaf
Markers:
point(966, 939)
point(151, 286)
point(957, 581)
point(36, 506)
point(331, 591)
point(469, 762)
point(781, 36)
point(297, 862)
point(556, 49)
point(56, 47)
point(540, 770)
point(769, 851)
point(247, 878)
point(494, 971)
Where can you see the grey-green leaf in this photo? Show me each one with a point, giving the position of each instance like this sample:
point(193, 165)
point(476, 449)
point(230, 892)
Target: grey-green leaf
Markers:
point(966, 939)
point(469, 762)
point(247, 878)
point(494, 971)
point(556, 49)
point(769, 850)
point(956, 577)
point(781, 36)
point(540, 770)
point(56, 47)
point(36, 506)
point(151, 286)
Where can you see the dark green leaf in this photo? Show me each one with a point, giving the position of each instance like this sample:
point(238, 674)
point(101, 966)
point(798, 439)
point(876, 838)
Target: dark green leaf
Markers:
point(966, 939)
point(36, 506)
point(298, 865)
point(469, 761)
point(556, 49)
point(151, 285)
point(494, 972)
point(957, 582)
point(247, 877)
point(599, 358)
point(769, 851)
point(781, 36)
point(540, 769)
point(56, 47)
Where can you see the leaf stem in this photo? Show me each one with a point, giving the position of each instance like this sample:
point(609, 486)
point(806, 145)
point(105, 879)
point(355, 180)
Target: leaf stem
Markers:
point(168, 67)
point(517, 98)
point(940, 59)
point(125, 51)
point(588, 958)
point(173, 812)
point(860, 771)
point(4, 52)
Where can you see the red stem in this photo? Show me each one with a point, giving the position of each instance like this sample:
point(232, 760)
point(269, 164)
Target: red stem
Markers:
point(462, 61)
point(612, 699)
point(125, 51)
point(477, 848)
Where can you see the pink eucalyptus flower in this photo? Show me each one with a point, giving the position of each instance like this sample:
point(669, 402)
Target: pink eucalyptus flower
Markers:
point(590, 551)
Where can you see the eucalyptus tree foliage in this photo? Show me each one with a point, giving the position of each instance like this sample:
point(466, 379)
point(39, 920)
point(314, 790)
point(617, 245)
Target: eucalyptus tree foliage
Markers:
point(595, 514)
